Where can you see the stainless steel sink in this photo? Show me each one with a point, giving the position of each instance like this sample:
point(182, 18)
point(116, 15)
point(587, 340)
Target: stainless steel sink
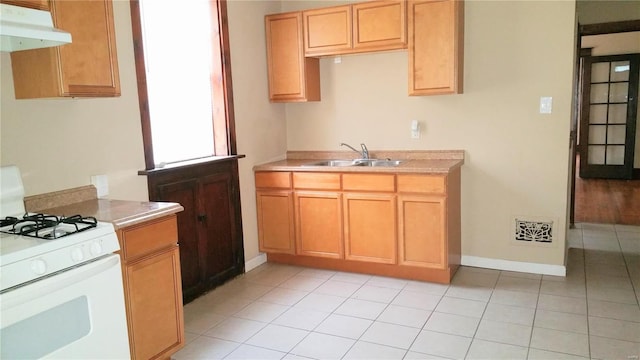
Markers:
point(333, 163)
point(358, 162)
point(376, 162)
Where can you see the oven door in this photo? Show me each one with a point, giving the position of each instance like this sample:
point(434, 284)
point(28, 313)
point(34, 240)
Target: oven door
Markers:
point(75, 314)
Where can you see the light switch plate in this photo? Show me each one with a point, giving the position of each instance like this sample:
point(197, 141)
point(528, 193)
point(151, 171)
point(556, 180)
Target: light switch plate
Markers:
point(546, 104)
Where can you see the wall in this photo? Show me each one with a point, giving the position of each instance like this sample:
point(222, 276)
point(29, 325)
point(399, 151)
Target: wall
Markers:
point(60, 143)
point(516, 159)
point(260, 125)
point(613, 44)
point(601, 11)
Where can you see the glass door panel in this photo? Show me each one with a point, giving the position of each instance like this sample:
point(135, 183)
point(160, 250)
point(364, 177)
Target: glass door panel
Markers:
point(617, 114)
point(609, 108)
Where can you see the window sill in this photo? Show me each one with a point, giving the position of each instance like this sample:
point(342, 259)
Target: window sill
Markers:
point(190, 163)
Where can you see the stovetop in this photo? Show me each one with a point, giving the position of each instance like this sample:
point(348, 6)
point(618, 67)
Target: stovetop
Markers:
point(24, 257)
point(48, 227)
point(15, 247)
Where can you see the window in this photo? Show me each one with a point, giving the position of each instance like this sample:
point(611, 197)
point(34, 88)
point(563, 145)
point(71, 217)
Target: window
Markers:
point(184, 89)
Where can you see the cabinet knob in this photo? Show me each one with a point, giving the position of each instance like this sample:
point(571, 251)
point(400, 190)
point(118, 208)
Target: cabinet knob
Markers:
point(202, 217)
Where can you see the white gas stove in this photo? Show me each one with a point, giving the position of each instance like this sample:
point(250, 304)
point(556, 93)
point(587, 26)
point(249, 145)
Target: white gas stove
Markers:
point(26, 258)
point(60, 282)
point(37, 245)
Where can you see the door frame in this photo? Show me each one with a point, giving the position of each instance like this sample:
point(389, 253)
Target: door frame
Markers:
point(585, 30)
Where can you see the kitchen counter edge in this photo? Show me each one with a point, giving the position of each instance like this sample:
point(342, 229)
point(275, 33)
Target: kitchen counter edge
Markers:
point(121, 213)
point(440, 162)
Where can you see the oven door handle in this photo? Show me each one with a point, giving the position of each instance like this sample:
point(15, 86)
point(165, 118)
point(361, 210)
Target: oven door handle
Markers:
point(57, 281)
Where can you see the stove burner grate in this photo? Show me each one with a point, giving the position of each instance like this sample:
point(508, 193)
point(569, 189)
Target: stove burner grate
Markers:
point(47, 227)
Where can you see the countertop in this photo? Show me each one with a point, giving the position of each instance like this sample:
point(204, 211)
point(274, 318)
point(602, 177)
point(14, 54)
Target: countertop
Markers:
point(121, 213)
point(428, 161)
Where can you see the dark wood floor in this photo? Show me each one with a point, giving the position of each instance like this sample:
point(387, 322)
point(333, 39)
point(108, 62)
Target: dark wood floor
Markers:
point(607, 201)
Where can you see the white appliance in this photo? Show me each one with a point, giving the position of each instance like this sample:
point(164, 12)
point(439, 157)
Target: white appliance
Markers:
point(61, 292)
point(23, 28)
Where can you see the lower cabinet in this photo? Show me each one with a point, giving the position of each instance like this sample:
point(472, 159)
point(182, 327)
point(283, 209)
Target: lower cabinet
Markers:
point(275, 221)
point(319, 224)
point(153, 292)
point(421, 230)
point(370, 227)
point(401, 225)
point(210, 227)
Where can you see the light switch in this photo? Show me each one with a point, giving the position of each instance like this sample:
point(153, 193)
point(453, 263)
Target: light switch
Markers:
point(546, 104)
point(415, 129)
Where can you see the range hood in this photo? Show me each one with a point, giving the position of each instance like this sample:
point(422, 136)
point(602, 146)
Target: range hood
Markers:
point(23, 29)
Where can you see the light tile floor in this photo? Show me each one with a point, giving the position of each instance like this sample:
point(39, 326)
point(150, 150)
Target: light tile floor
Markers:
point(286, 312)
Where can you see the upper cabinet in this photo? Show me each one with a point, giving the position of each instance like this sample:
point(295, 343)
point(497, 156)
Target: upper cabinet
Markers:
point(292, 77)
point(327, 31)
point(436, 43)
point(363, 27)
point(432, 31)
point(33, 4)
point(88, 67)
point(380, 25)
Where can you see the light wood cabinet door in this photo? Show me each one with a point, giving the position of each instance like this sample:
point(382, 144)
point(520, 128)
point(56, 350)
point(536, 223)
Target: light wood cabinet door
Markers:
point(422, 231)
point(153, 288)
point(33, 4)
point(154, 302)
point(292, 77)
point(436, 42)
point(379, 25)
point(88, 67)
point(327, 31)
point(276, 221)
point(370, 227)
point(319, 224)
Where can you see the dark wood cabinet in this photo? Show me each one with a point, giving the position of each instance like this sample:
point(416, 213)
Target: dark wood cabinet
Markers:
point(210, 227)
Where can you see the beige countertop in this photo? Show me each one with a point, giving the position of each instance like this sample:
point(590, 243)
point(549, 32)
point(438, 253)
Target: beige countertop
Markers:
point(121, 213)
point(436, 161)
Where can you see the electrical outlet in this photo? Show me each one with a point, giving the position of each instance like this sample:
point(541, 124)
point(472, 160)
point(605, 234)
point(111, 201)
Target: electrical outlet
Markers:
point(101, 182)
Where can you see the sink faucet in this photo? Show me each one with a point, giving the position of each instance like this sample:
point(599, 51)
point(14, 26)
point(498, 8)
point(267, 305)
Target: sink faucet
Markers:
point(365, 151)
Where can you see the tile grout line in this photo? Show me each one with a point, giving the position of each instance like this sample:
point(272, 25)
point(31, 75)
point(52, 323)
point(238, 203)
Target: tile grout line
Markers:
point(586, 292)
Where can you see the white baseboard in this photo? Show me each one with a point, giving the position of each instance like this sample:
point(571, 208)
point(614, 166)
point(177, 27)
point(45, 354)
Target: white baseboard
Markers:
point(499, 264)
point(255, 262)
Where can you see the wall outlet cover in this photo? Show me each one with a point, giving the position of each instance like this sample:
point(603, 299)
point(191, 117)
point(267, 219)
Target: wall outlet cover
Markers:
point(101, 182)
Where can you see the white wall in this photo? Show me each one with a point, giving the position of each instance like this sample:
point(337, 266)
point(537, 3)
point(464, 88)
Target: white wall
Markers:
point(260, 125)
point(516, 159)
point(59, 143)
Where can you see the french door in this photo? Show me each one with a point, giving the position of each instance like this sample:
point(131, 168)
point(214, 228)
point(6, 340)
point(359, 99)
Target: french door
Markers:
point(609, 107)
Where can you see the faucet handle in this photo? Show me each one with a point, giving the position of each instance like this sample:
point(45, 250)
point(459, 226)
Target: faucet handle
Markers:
point(365, 151)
